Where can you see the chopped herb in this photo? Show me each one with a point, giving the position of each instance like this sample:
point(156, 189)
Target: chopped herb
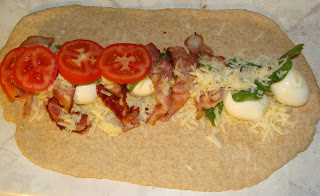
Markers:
point(131, 86)
point(163, 54)
point(210, 112)
point(57, 47)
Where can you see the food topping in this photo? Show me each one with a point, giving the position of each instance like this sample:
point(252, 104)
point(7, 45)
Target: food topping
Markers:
point(37, 40)
point(137, 84)
point(127, 117)
point(293, 90)
point(76, 61)
point(6, 73)
point(35, 69)
point(143, 88)
point(124, 63)
point(85, 94)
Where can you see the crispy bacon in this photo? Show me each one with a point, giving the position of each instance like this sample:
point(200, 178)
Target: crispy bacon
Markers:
point(37, 40)
point(127, 117)
point(207, 101)
point(64, 96)
point(116, 90)
point(55, 110)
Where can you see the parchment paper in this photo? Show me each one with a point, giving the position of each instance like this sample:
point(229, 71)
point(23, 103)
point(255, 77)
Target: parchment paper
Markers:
point(299, 19)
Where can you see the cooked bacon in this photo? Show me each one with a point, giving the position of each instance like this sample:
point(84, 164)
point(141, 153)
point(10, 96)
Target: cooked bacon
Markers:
point(197, 47)
point(166, 67)
point(82, 125)
point(165, 101)
point(154, 51)
point(55, 110)
point(207, 101)
point(37, 40)
point(193, 43)
point(127, 117)
point(65, 96)
point(116, 90)
point(27, 104)
point(183, 82)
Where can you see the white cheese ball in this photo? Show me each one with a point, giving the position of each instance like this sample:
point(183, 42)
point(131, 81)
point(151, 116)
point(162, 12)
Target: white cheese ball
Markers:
point(245, 110)
point(143, 88)
point(293, 90)
point(85, 94)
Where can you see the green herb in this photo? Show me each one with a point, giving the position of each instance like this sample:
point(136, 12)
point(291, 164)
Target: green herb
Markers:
point(131, 86)
point(210, 112)
point(293, 52)
point(57, 47)
point(163, 54)
point(281, 73)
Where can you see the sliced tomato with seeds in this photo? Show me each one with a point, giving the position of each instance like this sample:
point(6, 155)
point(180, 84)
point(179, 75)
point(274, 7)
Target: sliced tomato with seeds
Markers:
point(124, 63)
point(35, 69)
point(76, 61)
point(6, 72)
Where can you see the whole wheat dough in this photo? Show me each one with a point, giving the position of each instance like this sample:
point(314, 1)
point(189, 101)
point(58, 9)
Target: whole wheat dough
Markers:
point(164, 155)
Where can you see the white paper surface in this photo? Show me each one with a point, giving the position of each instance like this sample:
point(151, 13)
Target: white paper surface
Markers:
point(299, 19)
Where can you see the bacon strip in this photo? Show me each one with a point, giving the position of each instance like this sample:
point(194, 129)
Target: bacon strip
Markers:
point(55, 110)
point(127, 117)
point(64, 96)
point(183, 82)
point(165, 101)
point(37, 40)
point(197, 47)
point(154, 51)
point(207, 101)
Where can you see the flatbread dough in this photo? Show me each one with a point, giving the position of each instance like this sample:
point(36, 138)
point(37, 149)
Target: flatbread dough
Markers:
point(164, 155)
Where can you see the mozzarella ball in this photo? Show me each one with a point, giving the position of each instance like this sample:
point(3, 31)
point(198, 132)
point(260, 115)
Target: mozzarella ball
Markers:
point(85, 94)
point(143, 88)
point(245, 110)
point(293, 90)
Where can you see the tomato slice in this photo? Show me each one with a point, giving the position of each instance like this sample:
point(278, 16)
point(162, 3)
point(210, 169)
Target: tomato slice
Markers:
point(124, 63)
point(6, 72)
point(35, 69)
point(76, 61)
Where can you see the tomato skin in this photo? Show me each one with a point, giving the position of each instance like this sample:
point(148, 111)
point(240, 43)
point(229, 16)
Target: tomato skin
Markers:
point(6, 72)
point(76, 61)
point(124, 63)
point(35, 69)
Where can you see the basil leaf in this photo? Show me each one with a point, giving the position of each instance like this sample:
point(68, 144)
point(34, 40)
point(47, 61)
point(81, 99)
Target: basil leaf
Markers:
point(263, 87)
point(163, 54)
point(57, 47)
point(281, 72)
point(131, 86)
point(210, 112)
point(293, 52)
point(247, 95)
